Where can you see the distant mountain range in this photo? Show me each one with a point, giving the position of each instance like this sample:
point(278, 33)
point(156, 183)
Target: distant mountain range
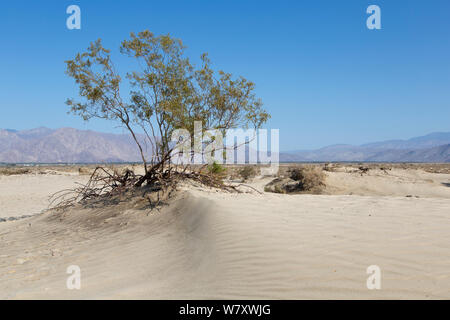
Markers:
point(434, 147)
point(68, 145)
point(65, 145)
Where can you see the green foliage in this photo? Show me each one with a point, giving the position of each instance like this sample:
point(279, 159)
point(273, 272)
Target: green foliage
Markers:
point(168, 92)
point(216, 168)
point(13, 171)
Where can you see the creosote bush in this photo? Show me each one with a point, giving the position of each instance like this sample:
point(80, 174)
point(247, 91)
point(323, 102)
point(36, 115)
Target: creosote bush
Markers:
point(13, 171)
point(164, 92)
point(310, 178)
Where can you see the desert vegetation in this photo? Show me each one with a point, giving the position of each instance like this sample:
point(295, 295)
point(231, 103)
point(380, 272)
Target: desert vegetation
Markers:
point(217, 169)
point(305, 179)
point(309, 178)
point(247, 172)
point(167, 93)
point(9, 171)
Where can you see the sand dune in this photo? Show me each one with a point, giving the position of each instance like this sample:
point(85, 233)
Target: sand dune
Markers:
point(212, 245)
point(391, 182)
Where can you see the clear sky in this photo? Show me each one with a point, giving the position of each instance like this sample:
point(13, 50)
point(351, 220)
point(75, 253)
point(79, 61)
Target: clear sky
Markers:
point(321, 73)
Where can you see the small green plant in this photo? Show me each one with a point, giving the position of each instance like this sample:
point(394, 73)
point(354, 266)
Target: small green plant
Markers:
point(216, 168)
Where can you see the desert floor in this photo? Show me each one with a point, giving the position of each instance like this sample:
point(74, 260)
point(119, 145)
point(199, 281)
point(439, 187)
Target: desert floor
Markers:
point(208, 244)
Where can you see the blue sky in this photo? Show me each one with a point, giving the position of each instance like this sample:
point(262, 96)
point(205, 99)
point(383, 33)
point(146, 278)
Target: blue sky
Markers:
point(324, 77)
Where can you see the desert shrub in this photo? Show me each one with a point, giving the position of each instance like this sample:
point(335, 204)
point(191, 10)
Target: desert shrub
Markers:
point(216, 168)
point(12, 171)
point(278, 189)
point(278, 185)
point(274, 188)
point(167, 93)
point(247, 172)
point(84, 171)
point(296, 174)
point(309, 178)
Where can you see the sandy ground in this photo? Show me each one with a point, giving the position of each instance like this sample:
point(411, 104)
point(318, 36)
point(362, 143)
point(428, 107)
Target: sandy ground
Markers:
point(212, 245)
point(29, 194)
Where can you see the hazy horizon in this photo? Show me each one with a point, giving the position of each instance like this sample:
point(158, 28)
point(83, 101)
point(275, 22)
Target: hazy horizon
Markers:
point(299, 149)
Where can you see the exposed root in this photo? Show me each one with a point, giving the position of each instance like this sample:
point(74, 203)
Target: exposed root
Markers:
point(108, 186)
point(102, 182)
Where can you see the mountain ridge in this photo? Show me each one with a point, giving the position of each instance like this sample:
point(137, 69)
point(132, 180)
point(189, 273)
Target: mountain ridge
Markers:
point(65, 145)
point(70, 145)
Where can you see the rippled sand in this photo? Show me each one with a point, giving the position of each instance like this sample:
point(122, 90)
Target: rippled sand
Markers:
point(212, 245)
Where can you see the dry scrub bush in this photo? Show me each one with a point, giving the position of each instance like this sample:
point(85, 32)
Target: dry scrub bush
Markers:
point(82, 171)
point(167, 93)
point(276, 188)
point(13, 171)
point(247, 172)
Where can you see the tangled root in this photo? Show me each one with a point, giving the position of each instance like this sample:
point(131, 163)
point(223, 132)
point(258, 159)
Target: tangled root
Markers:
point(107, 185)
